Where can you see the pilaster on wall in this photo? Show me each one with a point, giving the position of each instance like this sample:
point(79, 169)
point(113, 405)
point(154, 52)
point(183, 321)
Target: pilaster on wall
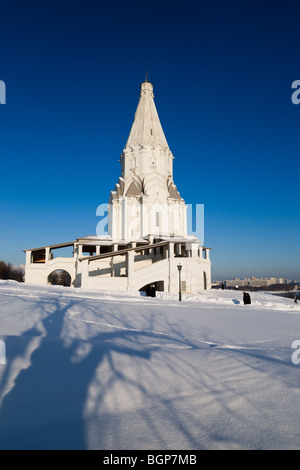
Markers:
point(28, 257)
point(85, 273)
point(123, 218)
point(129, 267)
point(47, 254)
point(171, 257)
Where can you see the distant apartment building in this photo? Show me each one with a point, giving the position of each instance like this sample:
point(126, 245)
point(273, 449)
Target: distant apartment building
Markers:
point(255, 282)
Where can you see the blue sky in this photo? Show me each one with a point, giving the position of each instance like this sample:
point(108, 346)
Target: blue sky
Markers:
point(222, 75)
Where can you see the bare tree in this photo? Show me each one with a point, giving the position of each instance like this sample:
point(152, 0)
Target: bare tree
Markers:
point(8, 271)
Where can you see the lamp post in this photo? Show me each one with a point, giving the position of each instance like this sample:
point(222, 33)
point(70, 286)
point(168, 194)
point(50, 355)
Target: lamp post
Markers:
point(179, 271)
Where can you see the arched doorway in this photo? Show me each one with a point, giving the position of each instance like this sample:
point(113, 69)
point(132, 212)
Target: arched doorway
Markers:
point(150, 289)
point(59, 277)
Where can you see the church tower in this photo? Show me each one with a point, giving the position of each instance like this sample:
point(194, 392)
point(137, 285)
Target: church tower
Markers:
point(145, 201)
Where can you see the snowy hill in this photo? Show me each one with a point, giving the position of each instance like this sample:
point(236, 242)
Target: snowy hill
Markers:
point(90, 370)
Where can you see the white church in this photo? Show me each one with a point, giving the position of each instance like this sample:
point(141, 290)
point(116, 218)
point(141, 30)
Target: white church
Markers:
point(146, 247)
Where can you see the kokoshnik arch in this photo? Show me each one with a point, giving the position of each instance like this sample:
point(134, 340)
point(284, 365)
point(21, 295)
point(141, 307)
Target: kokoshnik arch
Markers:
point(147, 226)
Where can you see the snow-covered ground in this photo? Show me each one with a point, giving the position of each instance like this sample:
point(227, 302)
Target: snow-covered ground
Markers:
point(91, 370)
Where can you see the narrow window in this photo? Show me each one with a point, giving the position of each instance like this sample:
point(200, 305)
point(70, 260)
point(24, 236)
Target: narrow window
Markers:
point(157, 219)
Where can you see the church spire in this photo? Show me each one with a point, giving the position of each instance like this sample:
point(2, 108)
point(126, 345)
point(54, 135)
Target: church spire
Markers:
point(146, 128)
point(146, 180)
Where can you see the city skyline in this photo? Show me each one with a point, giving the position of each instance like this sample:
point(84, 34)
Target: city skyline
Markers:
point(222, 79)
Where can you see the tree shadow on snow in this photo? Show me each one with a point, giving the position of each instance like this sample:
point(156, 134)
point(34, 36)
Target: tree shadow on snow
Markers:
point(44, 408)
point(85, 377)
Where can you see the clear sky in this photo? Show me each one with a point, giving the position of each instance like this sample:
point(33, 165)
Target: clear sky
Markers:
point(222, 74)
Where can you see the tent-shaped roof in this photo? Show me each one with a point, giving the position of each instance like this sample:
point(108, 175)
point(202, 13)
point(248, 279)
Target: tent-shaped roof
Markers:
point(146, 128)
